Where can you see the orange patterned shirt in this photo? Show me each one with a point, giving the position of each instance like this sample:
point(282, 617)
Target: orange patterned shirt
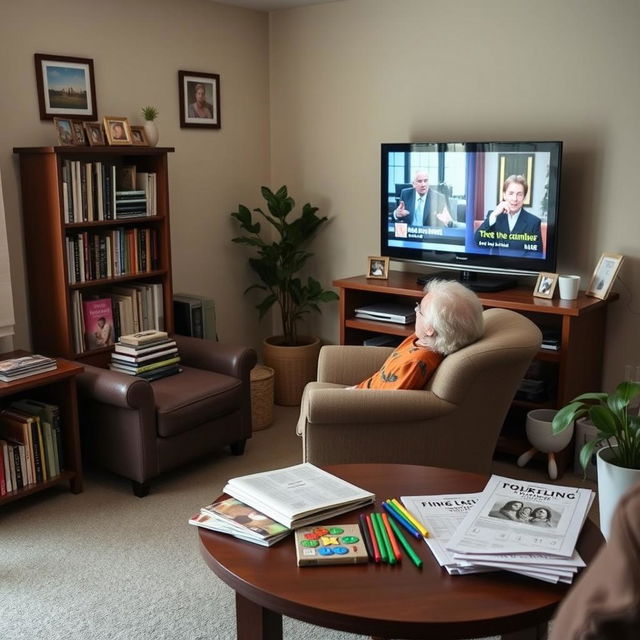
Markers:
point(408, 367)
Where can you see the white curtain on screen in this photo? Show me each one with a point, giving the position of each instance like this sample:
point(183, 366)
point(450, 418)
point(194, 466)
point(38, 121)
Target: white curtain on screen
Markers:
point(6, 299)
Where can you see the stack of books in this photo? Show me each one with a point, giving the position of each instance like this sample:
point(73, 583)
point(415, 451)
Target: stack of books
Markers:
point(241, 521)
point(131, 203)
point(16, 368)
point(147, 354)
point(529, 528)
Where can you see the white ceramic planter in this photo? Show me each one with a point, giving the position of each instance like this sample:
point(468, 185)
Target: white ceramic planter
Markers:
point(151, 131)
point(613, 483)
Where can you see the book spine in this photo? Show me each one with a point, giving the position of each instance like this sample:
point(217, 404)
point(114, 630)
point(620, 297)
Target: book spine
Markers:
point(3, 482)
point(16, 465)
point(35, 439)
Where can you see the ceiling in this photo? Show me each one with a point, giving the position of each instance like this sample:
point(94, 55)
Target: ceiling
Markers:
point(272, 5)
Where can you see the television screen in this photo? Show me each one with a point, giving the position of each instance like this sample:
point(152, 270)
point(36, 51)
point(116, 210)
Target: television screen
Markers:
point(472, 206)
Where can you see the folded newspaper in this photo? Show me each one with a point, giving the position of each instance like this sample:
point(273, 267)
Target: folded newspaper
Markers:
point(528, 528)
point(299, 495)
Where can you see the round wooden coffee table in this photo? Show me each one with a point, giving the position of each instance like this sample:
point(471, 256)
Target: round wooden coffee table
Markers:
point(383, 600)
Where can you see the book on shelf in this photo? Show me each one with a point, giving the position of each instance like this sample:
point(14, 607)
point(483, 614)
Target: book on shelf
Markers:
point(24, 366)
point(299, 495)
point(98, 322)
point(125, 178)
point(18, 431)
point(235, 518)
point(49, 417)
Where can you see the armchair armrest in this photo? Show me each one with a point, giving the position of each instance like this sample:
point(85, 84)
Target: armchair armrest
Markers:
point(231, 360)
point(117, 389)
point(350, 364)
point(348, 406)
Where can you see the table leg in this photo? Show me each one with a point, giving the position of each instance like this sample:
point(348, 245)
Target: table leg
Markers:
point(254, 622)
point(539, 632)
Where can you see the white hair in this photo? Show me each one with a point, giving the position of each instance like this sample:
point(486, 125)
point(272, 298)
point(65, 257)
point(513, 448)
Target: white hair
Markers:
point(455, 314)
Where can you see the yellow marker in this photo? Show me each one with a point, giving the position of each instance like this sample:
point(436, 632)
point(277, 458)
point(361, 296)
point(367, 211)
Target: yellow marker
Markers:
point(411, 518)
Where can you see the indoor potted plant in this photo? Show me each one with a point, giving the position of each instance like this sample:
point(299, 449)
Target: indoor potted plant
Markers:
point(618, 426)
point(277, 263)
point(150, 114)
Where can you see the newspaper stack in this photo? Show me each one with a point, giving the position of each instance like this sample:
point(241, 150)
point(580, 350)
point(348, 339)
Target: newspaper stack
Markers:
point(528, 528)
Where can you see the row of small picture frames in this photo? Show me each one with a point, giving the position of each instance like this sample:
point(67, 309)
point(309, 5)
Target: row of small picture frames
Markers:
point(112, 130)
point(600, 284)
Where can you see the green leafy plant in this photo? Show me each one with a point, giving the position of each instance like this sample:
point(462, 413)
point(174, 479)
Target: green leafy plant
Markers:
point(278, 262)
point(150, 113)
point(615, 423)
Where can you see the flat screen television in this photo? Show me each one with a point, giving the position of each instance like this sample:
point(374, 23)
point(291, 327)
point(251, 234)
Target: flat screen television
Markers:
point(490, 210)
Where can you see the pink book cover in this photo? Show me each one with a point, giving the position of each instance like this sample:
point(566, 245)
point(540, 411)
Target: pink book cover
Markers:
point(98, 323)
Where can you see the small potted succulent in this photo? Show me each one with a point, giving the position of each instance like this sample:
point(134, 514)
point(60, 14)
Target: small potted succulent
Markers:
point(150, 114)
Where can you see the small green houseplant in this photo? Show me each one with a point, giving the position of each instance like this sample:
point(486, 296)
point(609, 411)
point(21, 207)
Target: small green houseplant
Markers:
point(278, 261)
point(611, 416)
point(149, 113)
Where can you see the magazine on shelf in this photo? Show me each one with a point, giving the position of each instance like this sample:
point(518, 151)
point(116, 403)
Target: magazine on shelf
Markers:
point(240, 520)
point(299, 495)
point(515, 516)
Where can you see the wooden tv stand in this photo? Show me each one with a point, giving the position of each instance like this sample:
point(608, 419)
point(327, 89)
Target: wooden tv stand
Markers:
point(574, 369)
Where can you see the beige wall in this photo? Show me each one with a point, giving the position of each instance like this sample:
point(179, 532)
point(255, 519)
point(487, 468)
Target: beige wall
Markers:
point(349, 75)
point(309, 94)
point(137, 48)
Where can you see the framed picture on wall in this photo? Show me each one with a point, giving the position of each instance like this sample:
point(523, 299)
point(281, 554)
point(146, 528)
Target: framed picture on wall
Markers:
point(604, 274)
point(199, 99)
point(66, 87)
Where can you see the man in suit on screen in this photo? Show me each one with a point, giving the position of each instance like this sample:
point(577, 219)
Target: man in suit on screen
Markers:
point(421, 206)
point(510, 230)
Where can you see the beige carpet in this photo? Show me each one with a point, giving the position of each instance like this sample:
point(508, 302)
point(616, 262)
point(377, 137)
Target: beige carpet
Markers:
point(104, 565)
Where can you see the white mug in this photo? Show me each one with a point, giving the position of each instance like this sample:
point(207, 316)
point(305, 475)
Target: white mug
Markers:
point(569, 287)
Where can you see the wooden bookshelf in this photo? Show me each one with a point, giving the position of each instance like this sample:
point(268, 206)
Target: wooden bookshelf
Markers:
point(46, 228)
point(574, 369)
point(56, 387)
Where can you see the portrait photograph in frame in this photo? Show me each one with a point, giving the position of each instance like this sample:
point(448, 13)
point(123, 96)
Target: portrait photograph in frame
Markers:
point(545, 285)
point(138, 136)
point(78, 133)
point(199, 99)
point(95, 134)
point(64, 129)
point(66, 87)
point(604, 275)
point(378, 267)
point(117, 130)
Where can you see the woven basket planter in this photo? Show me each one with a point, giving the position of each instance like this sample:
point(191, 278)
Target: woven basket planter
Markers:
point(293, 366)
point(261, 397)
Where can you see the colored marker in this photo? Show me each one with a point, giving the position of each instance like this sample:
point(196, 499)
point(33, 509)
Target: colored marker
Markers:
point(377, 556)
point(365, 536)
point(381, 545)
point(410, 518)
point(392, 538)
point(392, 510)
point(391, 556)
point(405, 545)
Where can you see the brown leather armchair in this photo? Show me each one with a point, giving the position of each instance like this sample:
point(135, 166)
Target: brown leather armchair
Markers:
point(454, 422)
point(139, 429)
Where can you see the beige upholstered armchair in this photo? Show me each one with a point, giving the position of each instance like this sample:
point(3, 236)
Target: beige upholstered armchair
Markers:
point(455, 422)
